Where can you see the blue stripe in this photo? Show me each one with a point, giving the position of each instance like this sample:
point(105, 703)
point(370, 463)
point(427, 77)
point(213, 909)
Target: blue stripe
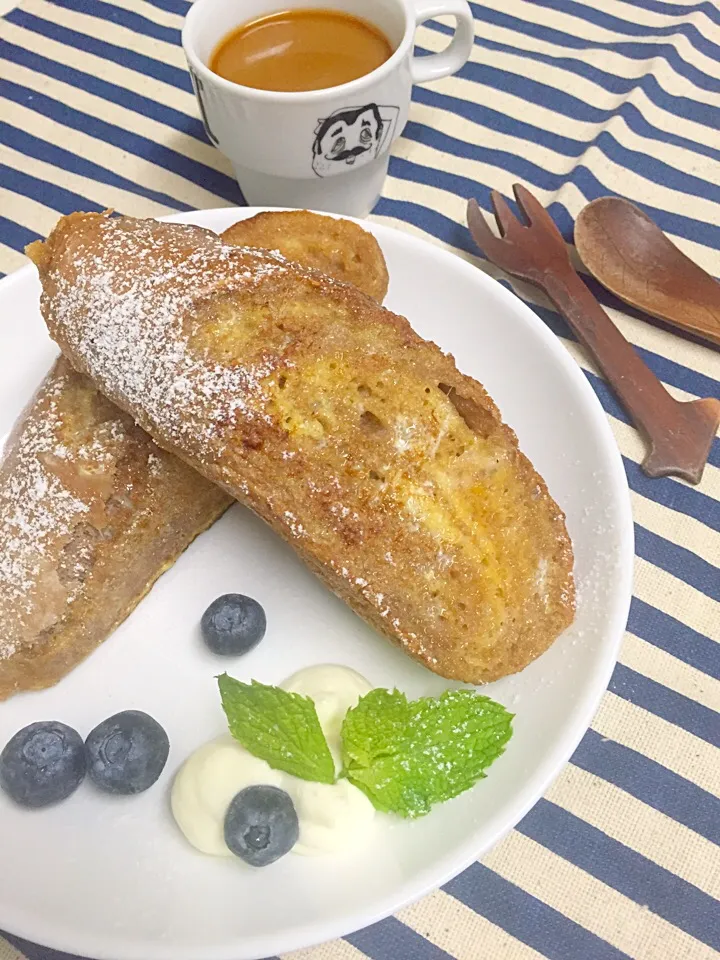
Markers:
point(650, 782)
point(180, 7)
point(648, 167)
point(611, 22)
point(679, 561)
point(696, 230)
point(50, 153)
point(674, 637)
point(526, 918)
point(391, 938)
point(633, 50)
point(149, 150)
point(663, 702)
point(108, 12)
point(147, 66)
point(572, 107)
point(15, 235)
point(612, 82)
point(482, 114)
point(626, 871)
point(146, 106)
point(682, 226)
point(57, 198)
point(679, 9)
point(34, 952)
point(675, 495)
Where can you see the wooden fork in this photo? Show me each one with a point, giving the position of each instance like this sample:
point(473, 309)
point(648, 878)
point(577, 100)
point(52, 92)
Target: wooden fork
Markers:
point(679, 434)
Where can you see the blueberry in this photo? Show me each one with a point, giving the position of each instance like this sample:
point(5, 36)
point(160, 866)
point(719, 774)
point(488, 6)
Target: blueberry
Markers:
point(233, 625)
point(261, 825)
point(43, 764)
point(126, 753)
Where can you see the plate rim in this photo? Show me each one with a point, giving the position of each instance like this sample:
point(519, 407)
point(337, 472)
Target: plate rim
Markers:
point(452, 864)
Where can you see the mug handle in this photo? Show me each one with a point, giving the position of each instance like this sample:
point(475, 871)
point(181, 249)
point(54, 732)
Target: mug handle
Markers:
point(437, 65)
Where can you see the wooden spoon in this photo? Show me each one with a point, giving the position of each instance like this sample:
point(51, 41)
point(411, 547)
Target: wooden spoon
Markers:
point(630, 255)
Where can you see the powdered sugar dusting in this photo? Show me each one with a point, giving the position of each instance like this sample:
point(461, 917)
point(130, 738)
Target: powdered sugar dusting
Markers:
point(36, 509)
point(129, 326)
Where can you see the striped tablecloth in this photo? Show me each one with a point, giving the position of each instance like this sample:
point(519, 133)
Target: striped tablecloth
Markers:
point(577, 98)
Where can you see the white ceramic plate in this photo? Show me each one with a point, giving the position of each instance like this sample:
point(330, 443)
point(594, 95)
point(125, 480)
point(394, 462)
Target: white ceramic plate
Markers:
point(112, 878)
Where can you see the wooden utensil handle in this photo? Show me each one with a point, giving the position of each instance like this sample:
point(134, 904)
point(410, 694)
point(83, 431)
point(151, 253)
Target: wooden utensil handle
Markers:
point(641, 393)
point(679, 433)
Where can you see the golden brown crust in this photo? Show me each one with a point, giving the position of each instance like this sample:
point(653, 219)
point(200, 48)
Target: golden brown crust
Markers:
point(388, 470)
point(91, 513)
point(146, 505)
point(336, 247)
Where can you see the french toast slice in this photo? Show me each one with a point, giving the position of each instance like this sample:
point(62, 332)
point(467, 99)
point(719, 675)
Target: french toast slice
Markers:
point(92, 512)
point(389, 471)
point(334, 246)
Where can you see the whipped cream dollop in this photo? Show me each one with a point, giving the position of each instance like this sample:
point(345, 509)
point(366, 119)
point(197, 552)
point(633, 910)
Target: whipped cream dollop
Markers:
point(332, 817)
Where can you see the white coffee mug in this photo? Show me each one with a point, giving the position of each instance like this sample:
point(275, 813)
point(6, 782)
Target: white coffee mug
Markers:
point(319, 149)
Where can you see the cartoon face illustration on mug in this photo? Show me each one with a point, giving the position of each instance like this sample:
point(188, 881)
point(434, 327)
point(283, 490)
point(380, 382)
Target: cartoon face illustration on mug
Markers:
point(352, 137)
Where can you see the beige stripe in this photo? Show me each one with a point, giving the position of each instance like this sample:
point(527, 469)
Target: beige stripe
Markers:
point(8, 952)
point(636, 13)
point(105, 69)
point(676, 598)
point(664, 668)
point(678, 528)
point(150, 12)
point(101, 193)
point(628, 820)
point(461, 932)
point(112, 158)
point(680, 157)
point(559, 77)
point(11, 259)
point(578, 27)
point(542, 117)
point(27, 212)
point(335, 950)
point(119, 36)
point(495, 175)
point(611, 61)
point(591, 903)
point(548, 159)
point(592, 93)
point(645, 190)
point(674, 748)
point(110, 111)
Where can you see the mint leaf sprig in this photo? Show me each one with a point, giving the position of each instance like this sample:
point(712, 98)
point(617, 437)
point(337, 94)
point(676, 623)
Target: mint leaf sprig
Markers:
point(279, 727)
point(405, 755)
